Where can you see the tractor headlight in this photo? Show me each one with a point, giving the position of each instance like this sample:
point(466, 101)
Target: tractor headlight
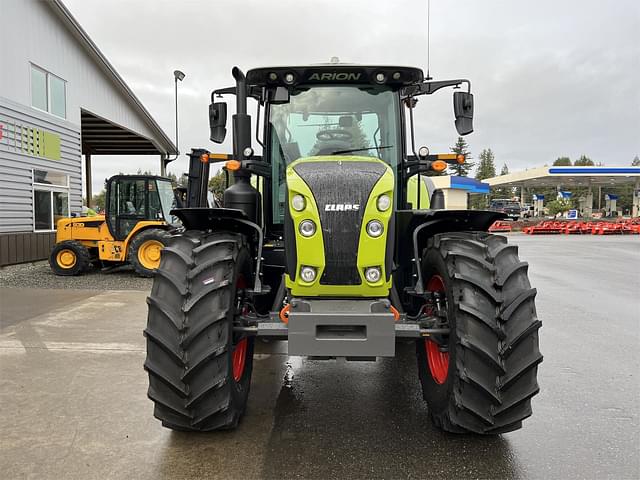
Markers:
point(384, 202)
point(374, 228)
point(373, 274)
point(307, 228)
point(308, 274)
point(298, 203)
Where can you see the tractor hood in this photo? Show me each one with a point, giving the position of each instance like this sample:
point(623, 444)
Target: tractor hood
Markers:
point(340, 197)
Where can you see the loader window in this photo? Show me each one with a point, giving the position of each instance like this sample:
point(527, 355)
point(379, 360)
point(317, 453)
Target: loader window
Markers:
point(331, 120)
point(127, 205)
point(167, 200)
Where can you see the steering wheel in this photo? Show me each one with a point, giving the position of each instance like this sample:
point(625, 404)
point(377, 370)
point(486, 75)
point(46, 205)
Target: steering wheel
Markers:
point(334, 134)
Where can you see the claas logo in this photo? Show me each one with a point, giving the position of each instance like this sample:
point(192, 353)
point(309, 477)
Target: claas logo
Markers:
point(341, 207)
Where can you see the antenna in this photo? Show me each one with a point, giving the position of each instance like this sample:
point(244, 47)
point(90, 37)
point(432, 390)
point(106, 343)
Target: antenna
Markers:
point(428, 39)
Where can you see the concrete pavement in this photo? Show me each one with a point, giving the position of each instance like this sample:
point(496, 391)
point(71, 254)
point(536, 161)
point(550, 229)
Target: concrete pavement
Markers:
point(73, 392)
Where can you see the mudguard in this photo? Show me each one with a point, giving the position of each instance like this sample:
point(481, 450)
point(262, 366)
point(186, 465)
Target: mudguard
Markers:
point(226, 219)
point(415, 227)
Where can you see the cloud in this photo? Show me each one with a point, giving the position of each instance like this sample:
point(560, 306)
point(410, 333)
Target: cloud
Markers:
point(550, 78)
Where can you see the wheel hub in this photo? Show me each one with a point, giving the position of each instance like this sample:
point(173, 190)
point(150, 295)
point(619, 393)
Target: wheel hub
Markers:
point(239, 354)
point(66, 259)
point(238, 358)
point(437, 360)
point(149, 254)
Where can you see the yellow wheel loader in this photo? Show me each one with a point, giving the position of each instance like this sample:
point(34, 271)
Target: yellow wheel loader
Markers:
point(133, 228)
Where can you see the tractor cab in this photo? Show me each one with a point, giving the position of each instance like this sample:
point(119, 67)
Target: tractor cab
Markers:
point(131, 199)
point(334, 111)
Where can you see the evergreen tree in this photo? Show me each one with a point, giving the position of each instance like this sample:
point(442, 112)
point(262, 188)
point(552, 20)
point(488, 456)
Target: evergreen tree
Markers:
point(486, 167)
point(503, 192)
point(218, 183)
point(562, 162)
point(584, 161)
point(463, 169)
point(636, 161)
point(172, 176)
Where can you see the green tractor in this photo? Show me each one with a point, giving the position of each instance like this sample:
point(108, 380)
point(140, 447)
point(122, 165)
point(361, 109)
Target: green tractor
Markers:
point(332, 241)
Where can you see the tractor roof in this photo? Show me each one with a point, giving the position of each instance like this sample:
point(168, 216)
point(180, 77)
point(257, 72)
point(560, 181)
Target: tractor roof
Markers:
point(334, 73)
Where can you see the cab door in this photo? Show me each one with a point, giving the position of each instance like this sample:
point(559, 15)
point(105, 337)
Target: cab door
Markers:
point(128, 204)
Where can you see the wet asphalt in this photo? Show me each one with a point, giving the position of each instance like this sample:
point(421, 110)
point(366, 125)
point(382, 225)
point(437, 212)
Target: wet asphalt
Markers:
point(73, 392)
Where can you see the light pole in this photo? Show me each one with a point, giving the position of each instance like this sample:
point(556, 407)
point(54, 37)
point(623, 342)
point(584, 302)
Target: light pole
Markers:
point(177, 75)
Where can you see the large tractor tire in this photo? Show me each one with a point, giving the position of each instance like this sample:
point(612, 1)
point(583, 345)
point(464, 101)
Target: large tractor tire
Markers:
point(480, 378)
point(199, 370)
point(144, 251)
point(69, 258)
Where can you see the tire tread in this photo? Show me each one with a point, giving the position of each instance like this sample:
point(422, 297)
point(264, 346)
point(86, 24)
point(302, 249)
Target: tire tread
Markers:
point(188, 332)
point(497, 351)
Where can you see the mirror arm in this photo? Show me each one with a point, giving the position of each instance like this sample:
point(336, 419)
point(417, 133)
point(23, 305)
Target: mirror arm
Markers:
point(222, 91)
point(423, 167)
point(254, 92)
point(427, 88)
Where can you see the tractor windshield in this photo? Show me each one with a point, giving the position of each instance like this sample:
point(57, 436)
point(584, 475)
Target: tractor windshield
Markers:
point(332, 120)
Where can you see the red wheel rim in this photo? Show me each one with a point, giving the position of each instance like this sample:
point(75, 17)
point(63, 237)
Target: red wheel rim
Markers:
point(438, 361)
point(239, 354)
point(238, 358)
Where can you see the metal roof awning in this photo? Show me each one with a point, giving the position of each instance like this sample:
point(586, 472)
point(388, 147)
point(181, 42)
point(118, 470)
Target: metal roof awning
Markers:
point(101, 137)
point(568, 176)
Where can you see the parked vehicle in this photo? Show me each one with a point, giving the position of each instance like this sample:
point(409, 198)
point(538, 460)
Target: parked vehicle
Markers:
point(526, 211)
point(509, 207)
point(133, 228)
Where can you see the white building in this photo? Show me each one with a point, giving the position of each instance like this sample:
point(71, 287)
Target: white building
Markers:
point(60, 100)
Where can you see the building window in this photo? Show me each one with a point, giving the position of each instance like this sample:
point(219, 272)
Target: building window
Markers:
point(48, 92)
point(50, 199)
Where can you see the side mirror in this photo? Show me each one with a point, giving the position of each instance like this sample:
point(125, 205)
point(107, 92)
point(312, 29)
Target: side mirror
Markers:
point(463, 111)
point(218, 121)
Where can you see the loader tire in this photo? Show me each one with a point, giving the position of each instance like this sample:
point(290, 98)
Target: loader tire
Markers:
point(69, 258)
point(199, 371)
point(144, 251)
point(480, 378)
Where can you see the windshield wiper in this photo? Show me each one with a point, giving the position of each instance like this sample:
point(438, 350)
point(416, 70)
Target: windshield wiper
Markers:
point(337, 152)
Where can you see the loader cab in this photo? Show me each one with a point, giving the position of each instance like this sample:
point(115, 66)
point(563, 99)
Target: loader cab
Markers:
point(136, 198)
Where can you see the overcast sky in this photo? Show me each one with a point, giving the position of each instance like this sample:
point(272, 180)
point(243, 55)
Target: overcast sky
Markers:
point(550, 78)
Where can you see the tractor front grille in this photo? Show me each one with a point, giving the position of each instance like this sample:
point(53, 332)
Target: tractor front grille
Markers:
point(338, 187)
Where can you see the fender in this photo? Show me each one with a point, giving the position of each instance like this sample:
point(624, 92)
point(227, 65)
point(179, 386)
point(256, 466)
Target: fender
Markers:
point(415, 227)
point(229, 219)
